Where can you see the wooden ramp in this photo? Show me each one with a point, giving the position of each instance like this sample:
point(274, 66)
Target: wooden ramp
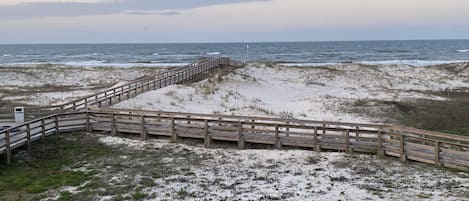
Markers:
point(198, 69)
point(385, 140)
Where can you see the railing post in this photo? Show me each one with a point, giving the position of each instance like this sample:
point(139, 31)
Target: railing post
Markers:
point(240, 136)
point(437, 153)
point(121, 93)
point(287, 130)
point(347, 142)
point(43, 131)
point(252, 126)
point(317, 147)
point(28, 137)
point(207, 138)
point(143, 134)
point(128, 91)
point(56, 117)
point(173, 131)
point(380, 151)
point(357, 134)
point(113, 124)
point(88, 121)
point(402, 154)
point(278, 144)
point(8, 147)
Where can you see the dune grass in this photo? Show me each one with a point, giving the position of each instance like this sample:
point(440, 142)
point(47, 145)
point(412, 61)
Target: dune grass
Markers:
point(444, 116)
point(46, 168)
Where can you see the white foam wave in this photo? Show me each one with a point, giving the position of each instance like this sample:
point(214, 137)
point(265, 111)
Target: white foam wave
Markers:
point(181, 55)
point(416, 63)
point(306, 64)
point(463, 51)
point(96, 63)
point(125, 65)
point(7, 55)
point(155, 54)
point(213, 53)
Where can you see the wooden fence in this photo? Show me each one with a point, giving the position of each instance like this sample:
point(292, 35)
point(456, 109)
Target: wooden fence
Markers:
point(385, 140)
point(119, 93)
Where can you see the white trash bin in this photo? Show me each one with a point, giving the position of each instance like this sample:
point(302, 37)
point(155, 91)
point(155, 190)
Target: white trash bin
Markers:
point(19, 114)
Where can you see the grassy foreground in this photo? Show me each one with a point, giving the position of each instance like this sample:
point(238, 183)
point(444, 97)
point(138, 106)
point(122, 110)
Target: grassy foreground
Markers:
point(444, 116)
point(449, 116)
point(46, 169)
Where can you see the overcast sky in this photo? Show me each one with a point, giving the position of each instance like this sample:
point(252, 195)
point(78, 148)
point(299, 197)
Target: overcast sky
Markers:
point(130, 21)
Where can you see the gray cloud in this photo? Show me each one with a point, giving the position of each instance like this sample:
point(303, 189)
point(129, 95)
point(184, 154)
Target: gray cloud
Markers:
point(138, 7)
point(157, 12)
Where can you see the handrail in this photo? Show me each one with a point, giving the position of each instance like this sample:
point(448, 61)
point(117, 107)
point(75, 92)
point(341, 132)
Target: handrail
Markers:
point(301, 121)
point(276, 131)
point(406, 143)
point(354, 126)
point(187, 72)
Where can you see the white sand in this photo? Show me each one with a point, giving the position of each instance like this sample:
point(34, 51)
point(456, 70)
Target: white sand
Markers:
point(293, 175)
point(46, 85)
point(318, 93)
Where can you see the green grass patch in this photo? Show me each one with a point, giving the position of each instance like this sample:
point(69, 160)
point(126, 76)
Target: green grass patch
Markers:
point(45, 169)
point(65, 196)
point(444, 116)
point(139, 195)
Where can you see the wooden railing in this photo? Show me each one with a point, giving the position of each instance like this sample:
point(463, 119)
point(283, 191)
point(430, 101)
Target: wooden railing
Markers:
point(386, 140)
point(38, 129)
point(119, 93)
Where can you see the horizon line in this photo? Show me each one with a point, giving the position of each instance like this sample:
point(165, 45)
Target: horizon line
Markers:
point(221, 42)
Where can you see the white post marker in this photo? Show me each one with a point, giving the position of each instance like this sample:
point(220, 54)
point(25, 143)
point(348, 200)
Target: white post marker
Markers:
point(19, 114)
point(247, 53)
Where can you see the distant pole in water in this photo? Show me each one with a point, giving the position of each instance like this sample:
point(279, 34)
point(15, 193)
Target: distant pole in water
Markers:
point(247, 53)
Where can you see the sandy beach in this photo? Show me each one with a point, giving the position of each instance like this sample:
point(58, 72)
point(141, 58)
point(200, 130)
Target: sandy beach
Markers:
point(320, 93)
point(43, 85)
point(159, 170)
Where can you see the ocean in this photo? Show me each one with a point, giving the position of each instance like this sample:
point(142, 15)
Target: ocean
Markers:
point(416, 53)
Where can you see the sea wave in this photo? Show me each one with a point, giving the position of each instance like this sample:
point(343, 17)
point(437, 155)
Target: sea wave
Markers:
point(416, 63)
point(125, 65)
point(213, 53)
point(463, 51)
point(95, 63)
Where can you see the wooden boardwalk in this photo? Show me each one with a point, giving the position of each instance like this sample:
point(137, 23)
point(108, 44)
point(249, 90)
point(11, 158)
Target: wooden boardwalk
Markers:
point(117, 94)
point(385, 140)
point(87, 114)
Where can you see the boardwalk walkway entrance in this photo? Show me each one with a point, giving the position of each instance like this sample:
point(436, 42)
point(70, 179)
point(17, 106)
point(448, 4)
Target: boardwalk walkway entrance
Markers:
point(86, 114)
point(385, 140)
point(115, 95)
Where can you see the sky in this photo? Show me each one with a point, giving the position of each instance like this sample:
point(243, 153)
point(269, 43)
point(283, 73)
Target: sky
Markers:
point(168, 21)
